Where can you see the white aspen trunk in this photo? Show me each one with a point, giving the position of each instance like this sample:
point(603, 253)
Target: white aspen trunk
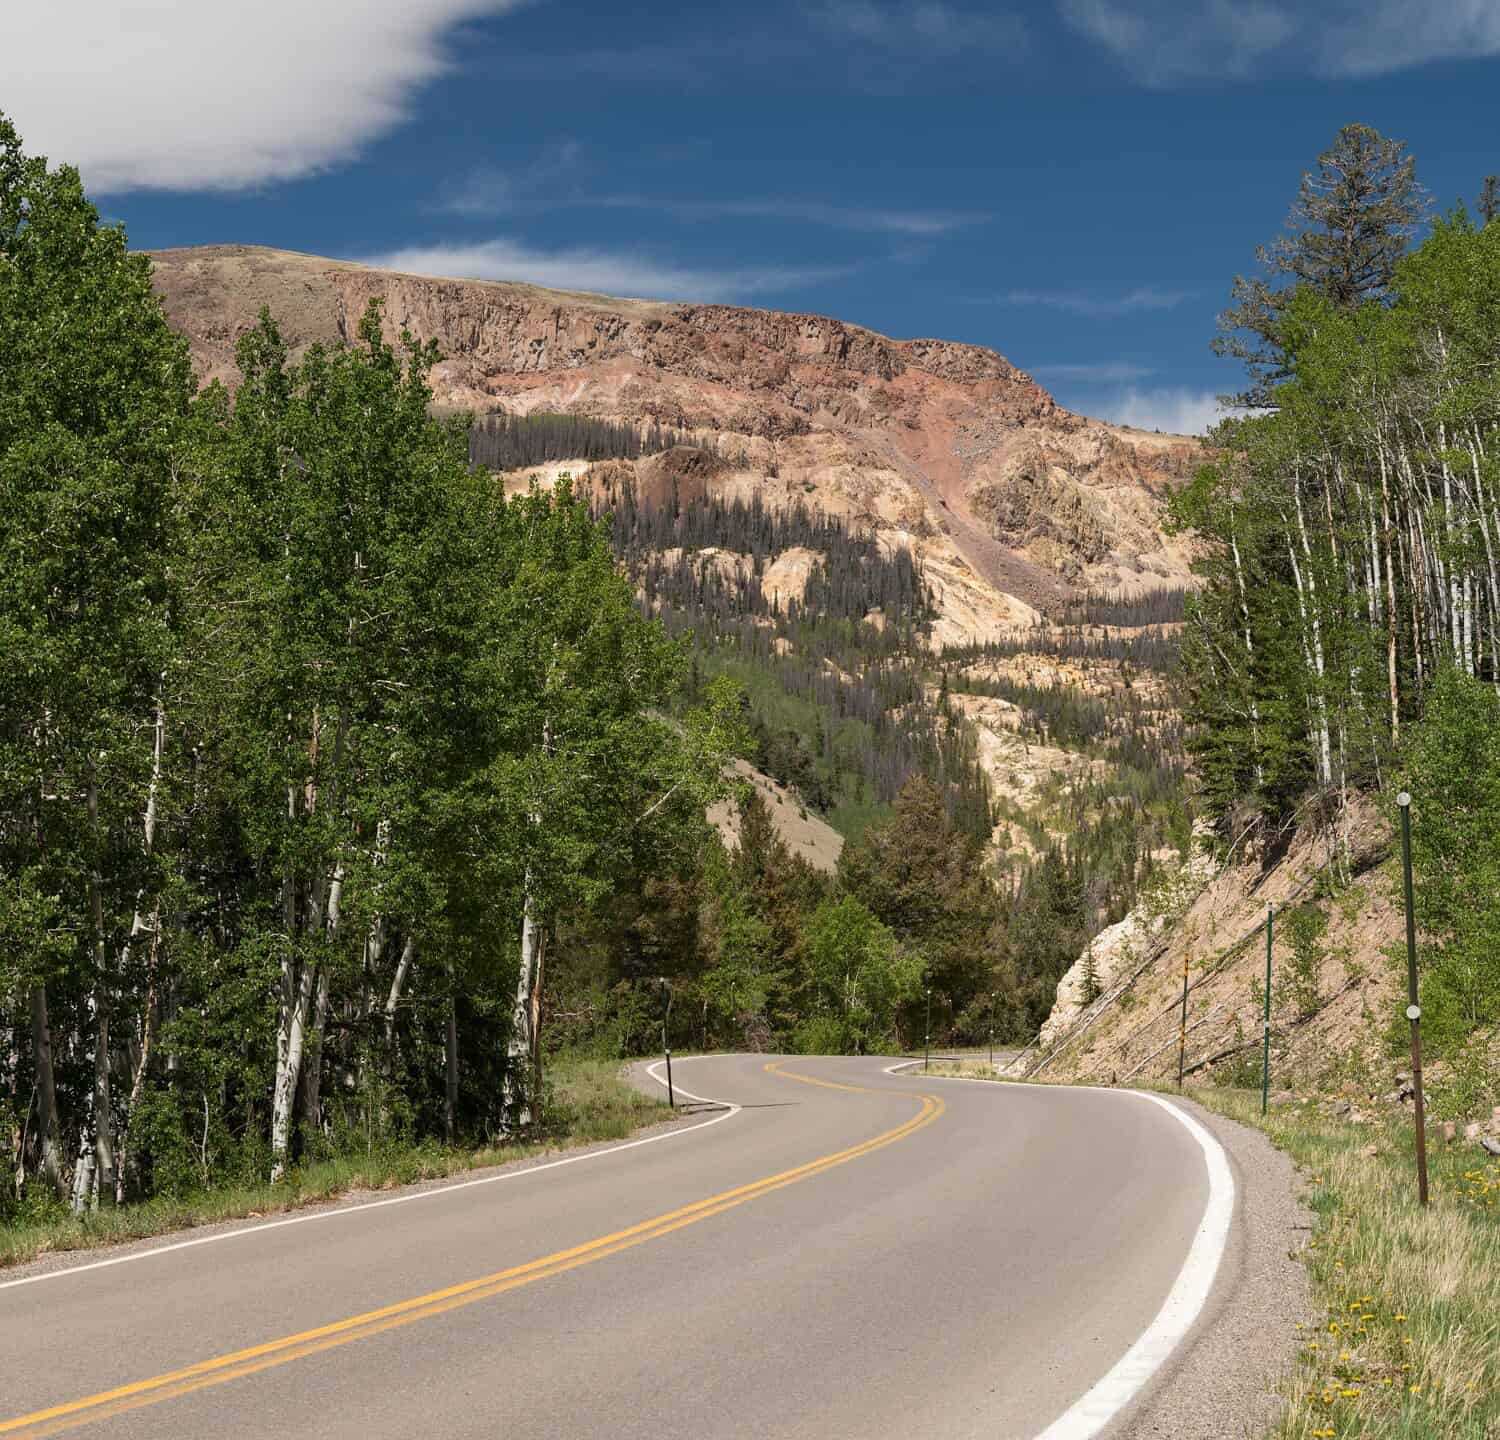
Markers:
point(1455, 599)
point(1239, 576)
point(49, 1140)
point(139, 926)
point(311, 1079)
point(1308, 607)
point(311, 1088)
point(96, 1166)
point(516, 1102)
point(1468, 614)
point(537, 983)
point(1390, 585)
point(515, 1097)
point(15, 1142)
point(393, 998)
point(289, 1068)
point(1492, 575)
point(138, 1080)
point(450, 1057)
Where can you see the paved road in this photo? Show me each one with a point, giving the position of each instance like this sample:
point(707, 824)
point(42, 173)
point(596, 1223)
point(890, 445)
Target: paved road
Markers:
point(849, 1254)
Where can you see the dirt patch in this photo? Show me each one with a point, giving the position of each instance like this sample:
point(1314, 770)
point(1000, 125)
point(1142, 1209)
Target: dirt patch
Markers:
point(803, 831)
point(1329, 997)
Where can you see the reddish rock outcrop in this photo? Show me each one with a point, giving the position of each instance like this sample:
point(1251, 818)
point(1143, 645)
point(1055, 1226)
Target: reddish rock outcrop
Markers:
point(950, 445)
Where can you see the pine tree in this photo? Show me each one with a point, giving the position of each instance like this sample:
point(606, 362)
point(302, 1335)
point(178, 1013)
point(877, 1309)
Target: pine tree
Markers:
point(1489, 199)
point(1348, 227)
point(1090, 987)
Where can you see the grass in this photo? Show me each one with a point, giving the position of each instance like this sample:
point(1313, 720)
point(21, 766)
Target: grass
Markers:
point(1406, 1345)
point(589, 1102)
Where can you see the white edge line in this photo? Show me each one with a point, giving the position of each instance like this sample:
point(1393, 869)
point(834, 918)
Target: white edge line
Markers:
point(1096, 1408)
point(343, 1212)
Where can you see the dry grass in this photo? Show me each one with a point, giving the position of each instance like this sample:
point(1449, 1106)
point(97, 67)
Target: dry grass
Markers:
point(589, 1102)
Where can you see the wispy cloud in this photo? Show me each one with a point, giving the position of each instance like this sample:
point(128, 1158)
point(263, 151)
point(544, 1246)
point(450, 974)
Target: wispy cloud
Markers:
point(488, 190)
point(1096, 307)
point(603, 272)
point(1175, 410)
point(808, 212)
point(1104, 372)
point(932, 27)
point(182, 95)
point(1167, 42)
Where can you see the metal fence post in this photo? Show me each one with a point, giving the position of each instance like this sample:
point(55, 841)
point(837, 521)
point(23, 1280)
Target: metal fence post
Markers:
point(1182, 1027)
point(1265, 1058)
point(927, 1041)
point(1413, 1007)
point(666, 1044)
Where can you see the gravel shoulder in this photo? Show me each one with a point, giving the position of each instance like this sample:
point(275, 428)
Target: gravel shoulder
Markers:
point(1223, 1382)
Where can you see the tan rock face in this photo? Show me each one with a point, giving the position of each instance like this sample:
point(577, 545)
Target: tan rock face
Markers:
point(1014, 498)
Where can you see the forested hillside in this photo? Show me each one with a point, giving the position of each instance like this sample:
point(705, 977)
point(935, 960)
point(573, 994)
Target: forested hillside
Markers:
point(1343, 642)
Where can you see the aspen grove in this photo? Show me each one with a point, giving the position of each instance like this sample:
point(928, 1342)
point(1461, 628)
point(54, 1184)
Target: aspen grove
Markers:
point(1346, 635)
point(307, 737)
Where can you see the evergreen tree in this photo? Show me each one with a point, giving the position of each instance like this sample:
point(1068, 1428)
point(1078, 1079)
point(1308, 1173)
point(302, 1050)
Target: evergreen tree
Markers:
point(1346, 231)
point(1489, 199)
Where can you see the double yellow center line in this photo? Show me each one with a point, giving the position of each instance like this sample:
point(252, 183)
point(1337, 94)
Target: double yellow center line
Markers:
point(271, 1353)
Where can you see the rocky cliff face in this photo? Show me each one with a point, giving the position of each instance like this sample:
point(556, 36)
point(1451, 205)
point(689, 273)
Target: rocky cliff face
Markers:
point(1013, 501)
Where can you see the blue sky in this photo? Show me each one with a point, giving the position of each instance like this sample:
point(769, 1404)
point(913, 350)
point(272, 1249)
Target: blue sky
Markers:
point(1073, 182)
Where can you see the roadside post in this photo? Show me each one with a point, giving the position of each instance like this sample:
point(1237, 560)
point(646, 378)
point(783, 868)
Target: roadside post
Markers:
point(1182, 1026)
point(992, 1029)
point(1413, 1008)
point(1265, 1057)
point(665, 1044)
point(927, 1041)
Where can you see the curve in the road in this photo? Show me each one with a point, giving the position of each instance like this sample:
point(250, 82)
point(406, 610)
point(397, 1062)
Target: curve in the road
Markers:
point(254, 1359)
point(972, 1281)
point(1092, 1412)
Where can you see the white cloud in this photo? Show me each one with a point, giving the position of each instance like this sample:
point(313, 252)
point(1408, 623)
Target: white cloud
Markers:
point(491, 191)
point(1164, 42)
point(601, 271)
point(1079, 302)
point(1103, 372)
point(930, 26)
point(810, 212)
point(204, 95)
point(1175, 410)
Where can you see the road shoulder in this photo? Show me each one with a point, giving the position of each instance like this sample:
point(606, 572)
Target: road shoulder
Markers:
point(1223, 1380)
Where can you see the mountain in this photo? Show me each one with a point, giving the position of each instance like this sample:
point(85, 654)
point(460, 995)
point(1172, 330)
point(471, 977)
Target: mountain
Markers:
point(907, 553)
point(1013, 504)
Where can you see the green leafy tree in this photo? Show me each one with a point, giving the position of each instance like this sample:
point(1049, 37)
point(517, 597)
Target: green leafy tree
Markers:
point(862, 975)
point(94, 391)
point(1454, 778)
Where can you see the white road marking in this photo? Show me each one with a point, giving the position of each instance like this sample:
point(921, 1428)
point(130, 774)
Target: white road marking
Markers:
point(344, 1212)
point(1089, 1415)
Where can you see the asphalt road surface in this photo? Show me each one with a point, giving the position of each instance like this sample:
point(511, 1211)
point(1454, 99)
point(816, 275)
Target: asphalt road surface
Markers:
point(843, 1252)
